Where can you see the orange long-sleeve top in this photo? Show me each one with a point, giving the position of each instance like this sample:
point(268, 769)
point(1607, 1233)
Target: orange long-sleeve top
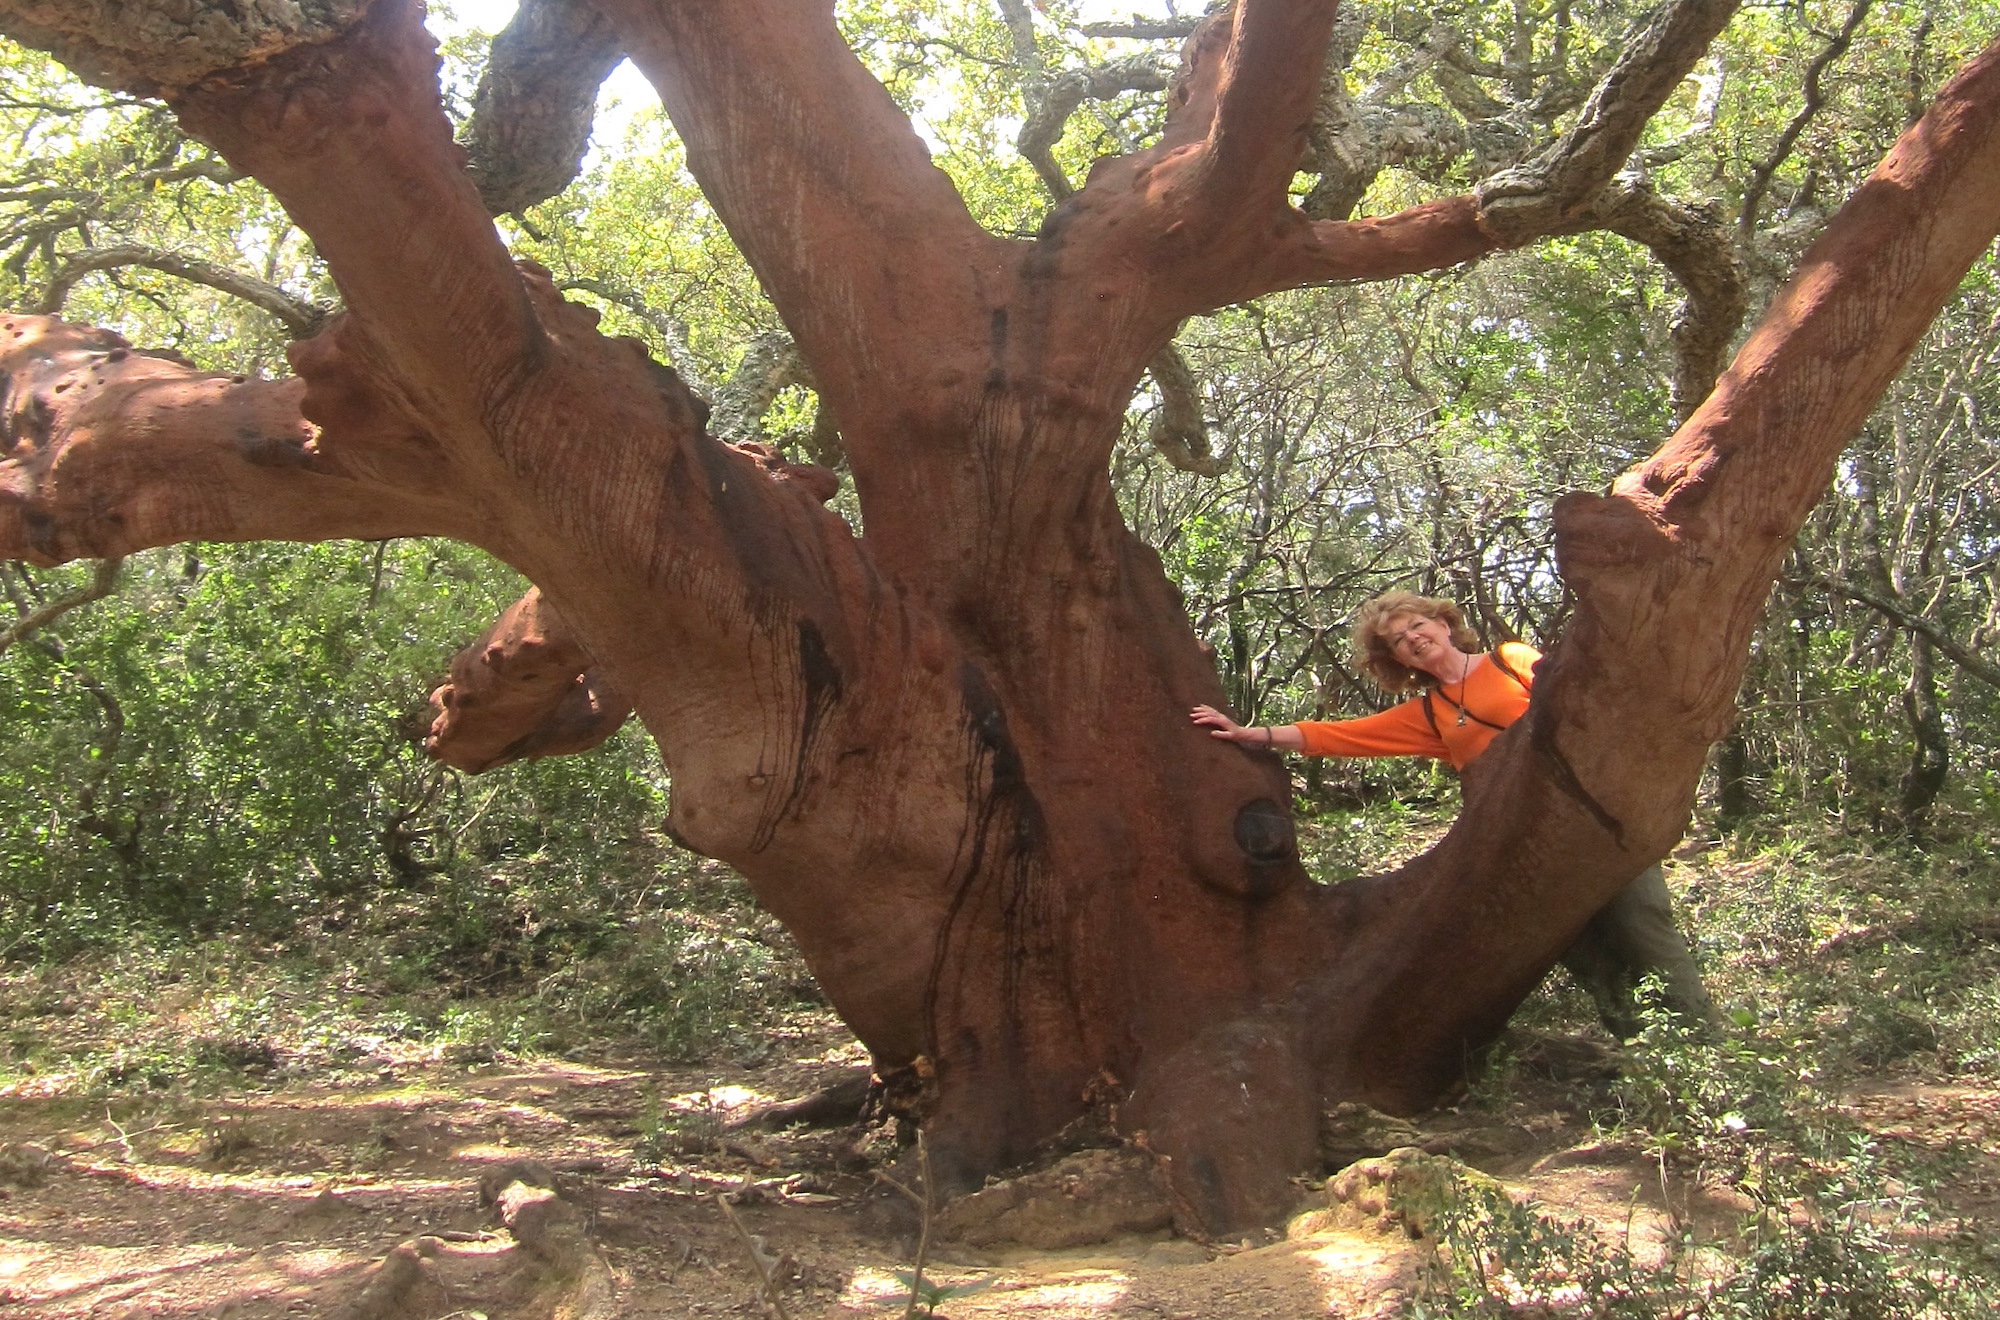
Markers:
point(1403, 730)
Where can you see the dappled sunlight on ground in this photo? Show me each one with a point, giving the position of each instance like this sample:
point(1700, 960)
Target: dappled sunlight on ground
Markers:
point(286, 1198)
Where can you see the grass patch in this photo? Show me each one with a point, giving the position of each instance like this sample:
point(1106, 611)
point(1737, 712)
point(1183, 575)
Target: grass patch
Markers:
point(230, 1012)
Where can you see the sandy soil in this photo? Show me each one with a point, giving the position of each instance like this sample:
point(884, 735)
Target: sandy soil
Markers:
point(361, 1199)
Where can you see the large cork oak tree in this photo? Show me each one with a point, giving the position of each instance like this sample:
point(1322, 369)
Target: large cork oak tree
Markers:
point(952, 754)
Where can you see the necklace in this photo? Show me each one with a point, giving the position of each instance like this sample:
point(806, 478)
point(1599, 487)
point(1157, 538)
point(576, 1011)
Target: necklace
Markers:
point(1458, 705)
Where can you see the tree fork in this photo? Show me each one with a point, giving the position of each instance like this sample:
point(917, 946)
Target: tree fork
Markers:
point(1671, 572)
point(954, 759)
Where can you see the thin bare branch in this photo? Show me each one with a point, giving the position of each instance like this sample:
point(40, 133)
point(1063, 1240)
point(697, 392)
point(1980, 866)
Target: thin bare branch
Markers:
point(300, 317)
point(103, 582)
point(1911, 620)
point(1175, 29)
point(761, 1260)
point(1815, 101)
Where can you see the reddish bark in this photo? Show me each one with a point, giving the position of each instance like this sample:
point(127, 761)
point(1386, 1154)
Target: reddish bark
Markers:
point(110, 450)
point(953, 759)
point(522, 691)
point(1671, 571)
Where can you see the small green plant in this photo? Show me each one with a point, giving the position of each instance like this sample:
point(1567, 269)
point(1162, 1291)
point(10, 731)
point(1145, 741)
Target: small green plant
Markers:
point(666, 1130)
point(924, 1296)
point(1851, 1250)
point(1497, 1256)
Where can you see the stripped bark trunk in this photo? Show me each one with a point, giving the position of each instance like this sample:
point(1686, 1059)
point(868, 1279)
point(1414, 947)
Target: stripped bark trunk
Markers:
point(953, 757)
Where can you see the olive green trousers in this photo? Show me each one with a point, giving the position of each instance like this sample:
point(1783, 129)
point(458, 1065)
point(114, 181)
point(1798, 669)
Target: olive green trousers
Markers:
point(1632, 937)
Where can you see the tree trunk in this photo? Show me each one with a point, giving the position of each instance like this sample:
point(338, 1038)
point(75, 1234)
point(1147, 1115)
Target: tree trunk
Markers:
point(953, 755)
point(1930, 756)
point(1735, 796)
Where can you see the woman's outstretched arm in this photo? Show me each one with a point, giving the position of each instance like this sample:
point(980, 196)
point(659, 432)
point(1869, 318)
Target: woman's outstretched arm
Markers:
point(1283, 737)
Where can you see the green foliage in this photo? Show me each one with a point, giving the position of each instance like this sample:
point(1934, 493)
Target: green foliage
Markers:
point(92, 170)
point(228, 747)
point(162, 1014)
point(1845, 1251)
point(1842, 968)
point(1857, 957)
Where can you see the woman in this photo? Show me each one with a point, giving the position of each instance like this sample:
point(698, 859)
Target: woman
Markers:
point(1408, 641)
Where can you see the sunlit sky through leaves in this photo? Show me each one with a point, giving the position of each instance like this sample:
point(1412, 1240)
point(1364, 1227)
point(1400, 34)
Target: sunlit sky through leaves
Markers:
point(625, 93)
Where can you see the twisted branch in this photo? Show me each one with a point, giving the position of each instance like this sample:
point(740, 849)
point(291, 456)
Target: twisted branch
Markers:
point(300, 317)
point(103, 582)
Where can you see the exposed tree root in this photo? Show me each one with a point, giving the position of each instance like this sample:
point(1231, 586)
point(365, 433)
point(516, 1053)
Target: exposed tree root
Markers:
point(837, 1104)
point(575, 1283)
point(1092, 1196)
point(406, 1283)
point(557, 1271)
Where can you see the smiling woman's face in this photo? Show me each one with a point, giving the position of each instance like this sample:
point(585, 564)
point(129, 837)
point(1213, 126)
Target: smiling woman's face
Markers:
point(1417, 641)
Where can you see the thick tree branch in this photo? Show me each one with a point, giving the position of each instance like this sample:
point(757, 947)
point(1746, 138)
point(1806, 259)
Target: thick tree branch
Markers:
point(1178, 429)
point(1020, 21)
point(524, 690)
point(770, 364)
point(816, 173)
point(350, 137)
point(1713, 512)
point(109, 450)
point(154, 49)
point(300, 318)
point(1204, 204)
point(1355, 141)
point(1427, 237)
point(1551, 195)
point(1889, 259)
point(1693, 244)
point(1265, 89)
point(1671, 571)
point(1536, 198)
point(532, 114)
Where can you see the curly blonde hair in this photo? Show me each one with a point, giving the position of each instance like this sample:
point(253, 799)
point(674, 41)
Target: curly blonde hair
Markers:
point(1372, 650)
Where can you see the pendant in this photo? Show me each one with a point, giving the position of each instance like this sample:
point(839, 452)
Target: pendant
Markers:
point(1461, 717)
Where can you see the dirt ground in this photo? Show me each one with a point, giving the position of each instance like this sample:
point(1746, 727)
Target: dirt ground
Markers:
point(360, 1197)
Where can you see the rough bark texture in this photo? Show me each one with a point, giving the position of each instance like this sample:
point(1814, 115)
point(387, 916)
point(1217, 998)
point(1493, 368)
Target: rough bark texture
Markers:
point(147, 46)
point(954, 759)
point(532, 113)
